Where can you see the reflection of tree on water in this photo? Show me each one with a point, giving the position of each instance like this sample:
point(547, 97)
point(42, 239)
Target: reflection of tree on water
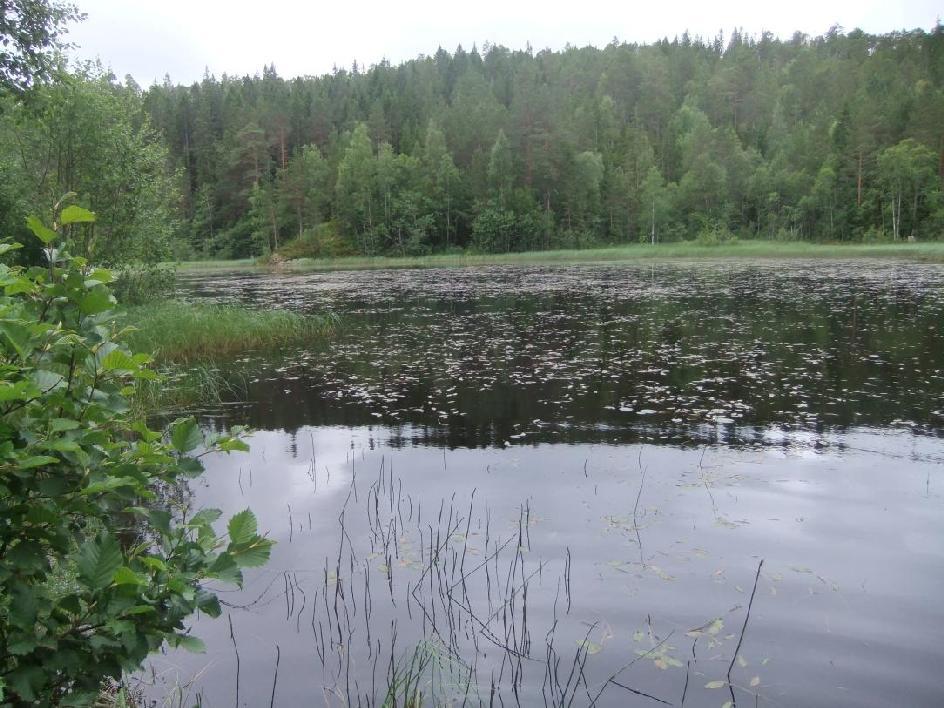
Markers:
point(777, 406)
point(468, 363)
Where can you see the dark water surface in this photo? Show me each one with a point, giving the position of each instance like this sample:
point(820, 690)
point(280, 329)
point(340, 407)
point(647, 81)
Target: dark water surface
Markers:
point(554, 486)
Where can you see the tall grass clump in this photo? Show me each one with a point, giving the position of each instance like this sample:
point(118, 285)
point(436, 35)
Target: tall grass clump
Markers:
point(185, 333)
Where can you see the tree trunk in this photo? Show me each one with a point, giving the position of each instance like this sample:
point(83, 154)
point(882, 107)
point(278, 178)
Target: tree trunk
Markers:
point(653, 222)
point(895, 217)
point(282, 153)
point(448, 217)
point(914, 215)
point(859, 182)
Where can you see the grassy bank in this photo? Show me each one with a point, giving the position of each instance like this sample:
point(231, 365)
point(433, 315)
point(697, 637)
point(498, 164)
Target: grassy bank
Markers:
point(195, 346)
point(184, 333)
point(926, 252)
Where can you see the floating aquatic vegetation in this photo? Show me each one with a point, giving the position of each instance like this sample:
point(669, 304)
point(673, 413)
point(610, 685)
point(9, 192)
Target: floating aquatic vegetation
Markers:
point(677, 353)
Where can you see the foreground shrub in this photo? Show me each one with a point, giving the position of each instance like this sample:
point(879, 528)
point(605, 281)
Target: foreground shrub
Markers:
point(323, 241)
point(98, 567)
point(715, 234)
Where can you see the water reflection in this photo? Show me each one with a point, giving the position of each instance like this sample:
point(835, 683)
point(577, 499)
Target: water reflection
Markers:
point(483, 356)
point(558, 483)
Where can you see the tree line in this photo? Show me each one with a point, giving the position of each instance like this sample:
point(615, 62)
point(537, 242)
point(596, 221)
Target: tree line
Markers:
point(836, 137)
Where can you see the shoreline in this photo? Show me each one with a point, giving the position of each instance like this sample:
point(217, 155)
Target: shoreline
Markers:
point(924, 252)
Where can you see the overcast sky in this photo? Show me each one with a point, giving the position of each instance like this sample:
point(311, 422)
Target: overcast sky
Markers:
point(151, 38)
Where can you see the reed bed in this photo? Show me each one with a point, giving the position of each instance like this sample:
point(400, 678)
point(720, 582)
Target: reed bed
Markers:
point(183, 333)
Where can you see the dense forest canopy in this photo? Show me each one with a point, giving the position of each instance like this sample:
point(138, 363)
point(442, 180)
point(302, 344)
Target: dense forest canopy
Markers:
point(838, 137)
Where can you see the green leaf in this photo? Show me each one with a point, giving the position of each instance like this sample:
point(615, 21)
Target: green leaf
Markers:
point(37, 461)
point(208, 603)
point(27, 681)
point(18, 335)
point(40, 230)
point(98, 561)
point(21, 646)
point(16, 392)
point(118, 360)
point(242, 527)
point(101, 275)
point(224, 568)
point(185, 435)
point(96, 300)
point(252, 555)
point(160, 520)
point(205, 516)
point(76, 215)
point(126, 576)
point(27, 556)
point(59, 425)
point(154, 563)
point(232, 445)
point(110, 484)
point(188, 642)
point(715, 684)
point(20, 285)
point(23, 608)
point(48, 381)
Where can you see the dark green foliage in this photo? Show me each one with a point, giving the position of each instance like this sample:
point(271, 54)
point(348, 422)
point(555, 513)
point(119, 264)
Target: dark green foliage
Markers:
point(30, 31)
point(100, 563)
point(88, 135)
point(761, 137)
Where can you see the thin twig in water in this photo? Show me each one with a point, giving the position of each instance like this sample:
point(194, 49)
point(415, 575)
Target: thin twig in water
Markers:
point(275, 679)
point(236, 649)
point(642, 481)
point(747, 616)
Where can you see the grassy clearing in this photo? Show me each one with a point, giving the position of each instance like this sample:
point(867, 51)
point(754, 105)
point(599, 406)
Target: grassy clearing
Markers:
point(183, 333)
point(216, 265)
point(927, 252)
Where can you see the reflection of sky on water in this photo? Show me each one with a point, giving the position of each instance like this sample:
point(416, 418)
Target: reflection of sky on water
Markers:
point(788, 412)
point(845, 614)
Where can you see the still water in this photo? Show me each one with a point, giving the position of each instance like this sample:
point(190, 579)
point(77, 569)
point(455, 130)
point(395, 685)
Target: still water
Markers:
point(685, 484)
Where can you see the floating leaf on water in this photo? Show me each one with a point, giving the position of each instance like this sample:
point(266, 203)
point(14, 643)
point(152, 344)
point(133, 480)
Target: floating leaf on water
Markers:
point(755, 681)
point(715, 684)
point(661, 573)
point(713, 627)
point(589, 647)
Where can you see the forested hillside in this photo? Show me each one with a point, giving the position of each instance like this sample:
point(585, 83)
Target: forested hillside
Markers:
point(839, 137)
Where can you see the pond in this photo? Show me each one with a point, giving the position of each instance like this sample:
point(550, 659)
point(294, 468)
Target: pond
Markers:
point(677, 483)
